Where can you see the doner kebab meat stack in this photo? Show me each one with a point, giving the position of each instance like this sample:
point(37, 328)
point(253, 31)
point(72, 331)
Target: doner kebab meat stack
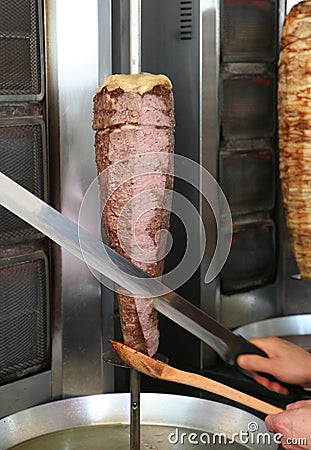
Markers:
point(294, 115)
point(134, 123)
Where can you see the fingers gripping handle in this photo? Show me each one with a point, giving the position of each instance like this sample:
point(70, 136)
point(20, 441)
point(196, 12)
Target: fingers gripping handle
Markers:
point(243, 346)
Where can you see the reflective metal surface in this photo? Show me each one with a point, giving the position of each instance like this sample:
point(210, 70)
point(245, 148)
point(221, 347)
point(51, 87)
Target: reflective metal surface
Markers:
point(279, 326)
point(168, 413)
point(209, 123)
point(78, 58)
point(25, 393)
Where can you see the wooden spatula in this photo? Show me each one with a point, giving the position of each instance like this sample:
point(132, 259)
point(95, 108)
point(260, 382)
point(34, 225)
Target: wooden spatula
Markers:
point(157, 369)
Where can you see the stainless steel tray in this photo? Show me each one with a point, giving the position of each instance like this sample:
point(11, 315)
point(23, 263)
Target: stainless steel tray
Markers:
point(102, 422)
point(290, 327)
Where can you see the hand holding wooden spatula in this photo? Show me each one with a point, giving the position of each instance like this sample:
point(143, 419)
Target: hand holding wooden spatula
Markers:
point(157, 369)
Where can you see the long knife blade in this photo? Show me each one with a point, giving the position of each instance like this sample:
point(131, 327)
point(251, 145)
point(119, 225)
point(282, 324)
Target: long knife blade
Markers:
point(118, 269)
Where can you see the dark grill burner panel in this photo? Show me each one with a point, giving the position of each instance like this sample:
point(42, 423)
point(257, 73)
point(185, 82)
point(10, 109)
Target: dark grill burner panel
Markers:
point(23, 158)
point(248, 109)
point(256, 242)
point(249, 30)
point(24, 316)
point(247, 178)
point(20, 49)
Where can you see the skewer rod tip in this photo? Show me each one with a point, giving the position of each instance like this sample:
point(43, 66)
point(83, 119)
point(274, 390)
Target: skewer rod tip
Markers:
point(135, 36)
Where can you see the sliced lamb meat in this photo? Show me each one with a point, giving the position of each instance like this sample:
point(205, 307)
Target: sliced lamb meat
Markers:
point(134, 119)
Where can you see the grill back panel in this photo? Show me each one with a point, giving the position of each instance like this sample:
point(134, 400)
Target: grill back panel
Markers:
point(24, 252)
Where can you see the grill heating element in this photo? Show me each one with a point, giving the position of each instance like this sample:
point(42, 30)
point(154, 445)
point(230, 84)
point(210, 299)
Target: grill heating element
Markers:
point(20, 48)
point(23, 158)
point(24, 315)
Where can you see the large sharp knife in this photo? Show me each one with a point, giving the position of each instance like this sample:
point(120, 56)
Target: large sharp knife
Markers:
point(118, 269)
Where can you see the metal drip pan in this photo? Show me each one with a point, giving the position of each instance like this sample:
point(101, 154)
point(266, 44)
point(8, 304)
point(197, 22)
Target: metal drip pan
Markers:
point(102, 422)
point(295, 328)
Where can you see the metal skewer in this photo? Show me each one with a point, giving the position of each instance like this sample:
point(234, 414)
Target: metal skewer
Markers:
point(135, 410)
point(135, 67)
point(111, 357)
point(135, 36)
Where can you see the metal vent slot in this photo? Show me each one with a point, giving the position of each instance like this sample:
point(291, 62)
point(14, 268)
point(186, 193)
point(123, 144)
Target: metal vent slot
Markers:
point(185, 21)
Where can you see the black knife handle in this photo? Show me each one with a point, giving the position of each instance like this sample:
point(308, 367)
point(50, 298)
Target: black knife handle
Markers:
point(243, 346)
